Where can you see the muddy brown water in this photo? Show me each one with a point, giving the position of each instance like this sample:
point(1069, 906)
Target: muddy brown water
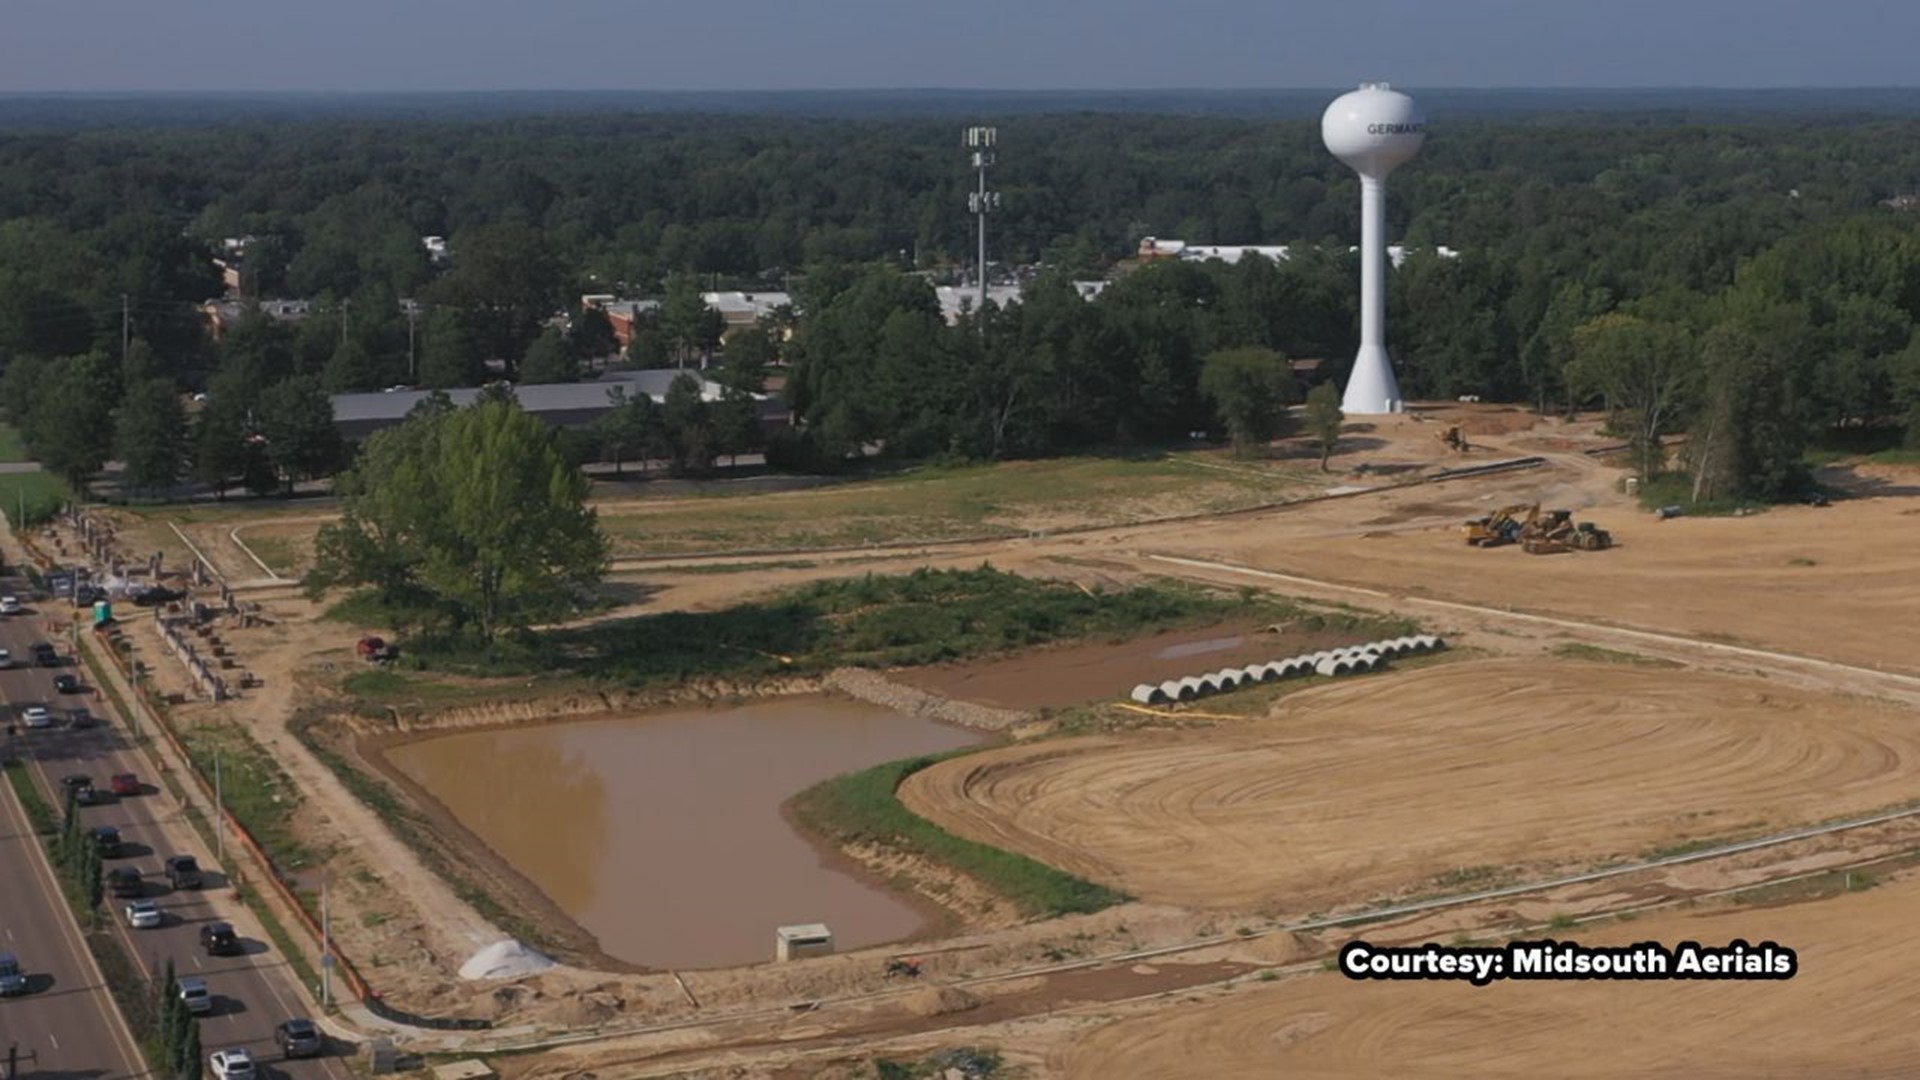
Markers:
point(662, 834)
point(1108, 671)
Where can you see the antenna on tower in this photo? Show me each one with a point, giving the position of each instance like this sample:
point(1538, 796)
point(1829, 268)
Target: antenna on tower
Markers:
point(982, 140)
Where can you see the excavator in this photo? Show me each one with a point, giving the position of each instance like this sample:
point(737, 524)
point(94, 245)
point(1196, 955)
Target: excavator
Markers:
point(1503, 526)
point(1537, 533)
point(1455, 439)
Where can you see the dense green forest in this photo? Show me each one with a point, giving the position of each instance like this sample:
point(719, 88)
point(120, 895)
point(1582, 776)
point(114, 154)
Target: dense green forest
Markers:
point(1745, 274)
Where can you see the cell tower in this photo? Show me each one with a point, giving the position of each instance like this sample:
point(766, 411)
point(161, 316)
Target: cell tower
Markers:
point(982, 140)
point(1374, 130)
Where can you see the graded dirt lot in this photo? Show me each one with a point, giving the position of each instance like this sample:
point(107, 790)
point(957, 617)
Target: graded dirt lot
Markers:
point(1366, 789)
point(1847, 1013)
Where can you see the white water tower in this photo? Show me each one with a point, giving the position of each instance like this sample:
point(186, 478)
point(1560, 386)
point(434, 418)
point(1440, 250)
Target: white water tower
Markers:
point(1374, 130)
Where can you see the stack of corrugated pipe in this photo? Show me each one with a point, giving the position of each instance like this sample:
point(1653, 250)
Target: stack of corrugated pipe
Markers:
point(1352, 660)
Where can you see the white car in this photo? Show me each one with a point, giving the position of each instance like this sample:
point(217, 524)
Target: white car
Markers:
point(235, 1064)
point(6, 659)
point(9, 605)
point(37, 716)
point(143, 915)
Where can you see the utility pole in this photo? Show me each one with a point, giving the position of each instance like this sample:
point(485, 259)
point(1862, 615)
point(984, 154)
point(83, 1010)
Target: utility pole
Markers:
point(219, 813)
point(343, 321)
point(412, 310)
point(980, 200)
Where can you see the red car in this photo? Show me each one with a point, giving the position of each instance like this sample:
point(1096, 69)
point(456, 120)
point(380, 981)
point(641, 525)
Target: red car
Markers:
point(125, 783)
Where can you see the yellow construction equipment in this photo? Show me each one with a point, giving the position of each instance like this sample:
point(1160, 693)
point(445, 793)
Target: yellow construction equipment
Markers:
point(1503, 526)
point(1537, 533)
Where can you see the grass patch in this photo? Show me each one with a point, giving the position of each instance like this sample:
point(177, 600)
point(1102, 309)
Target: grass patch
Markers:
point(1896, 456)
point(948, 502)
point(926, 617)
point(285, 555)
point(862, 807)
point(30, 498)
point(39, 813)
point(12, 446)
point(1676, 489)
point(1574, 650)
point(256, 792)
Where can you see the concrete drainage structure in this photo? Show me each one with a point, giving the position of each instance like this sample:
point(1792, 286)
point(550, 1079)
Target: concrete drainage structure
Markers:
point(1351, 660)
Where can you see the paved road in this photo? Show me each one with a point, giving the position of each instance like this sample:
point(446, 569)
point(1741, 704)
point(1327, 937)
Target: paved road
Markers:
point(252, 993)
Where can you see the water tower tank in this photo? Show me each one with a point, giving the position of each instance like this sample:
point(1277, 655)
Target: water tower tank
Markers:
point(1374, 130)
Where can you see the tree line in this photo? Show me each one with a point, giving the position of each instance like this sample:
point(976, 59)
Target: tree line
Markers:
point(1749, 247)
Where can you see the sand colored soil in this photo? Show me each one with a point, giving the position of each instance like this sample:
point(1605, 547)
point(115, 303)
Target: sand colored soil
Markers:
point(1096, 671)
point(1847, 1013)
point(1370, 788)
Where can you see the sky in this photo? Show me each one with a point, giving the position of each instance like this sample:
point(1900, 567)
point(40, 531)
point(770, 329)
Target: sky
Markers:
point(439, 45)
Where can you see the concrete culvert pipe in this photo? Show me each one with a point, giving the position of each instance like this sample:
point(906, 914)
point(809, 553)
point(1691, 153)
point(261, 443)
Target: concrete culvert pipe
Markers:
point(1210, 683)
point(1438, 644)
point(1147, 694)
point(1331, 667)
point(1170, 690)
point(1362, 664)
point(1191, 687)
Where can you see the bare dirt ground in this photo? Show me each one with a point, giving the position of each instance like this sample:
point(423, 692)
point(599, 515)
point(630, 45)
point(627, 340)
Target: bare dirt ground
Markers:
point(1366, 789)
point(1847, 1013)
point(1838, 583)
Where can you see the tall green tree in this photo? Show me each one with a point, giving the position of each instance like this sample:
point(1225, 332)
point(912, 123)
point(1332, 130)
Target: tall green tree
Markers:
point(628, 430)
point(71, 426)
point(479, 510)
point(687, 421)
point(450, 352)
point(296, 420)
point(1323, 419)
point(681, 318)
point(219, 446)
point(151, 435)
point(353, 368)
point(1643, 370)
point(1250, 387)
point(550, 359)
point(1751, 433)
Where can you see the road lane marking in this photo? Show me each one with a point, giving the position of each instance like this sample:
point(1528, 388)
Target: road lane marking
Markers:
point(54, 1041)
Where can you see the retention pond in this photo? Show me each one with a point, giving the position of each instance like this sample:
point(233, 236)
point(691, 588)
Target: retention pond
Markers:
point(662, 834)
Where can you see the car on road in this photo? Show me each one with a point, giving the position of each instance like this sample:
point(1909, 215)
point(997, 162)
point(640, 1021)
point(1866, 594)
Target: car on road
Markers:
point(79, 717)
point(44, 654)
point(66, 684)
point(36, 716)
point(6, 659)
point(125, 881)
point(144, 915)
point(74, 782)
point(195, 995)
point(234, 1064)
point(125, 783)
point(183, 872)
point(219, 939)
point(106, 840)
point(13, 981)
point(9, 605)
point(298, 1038)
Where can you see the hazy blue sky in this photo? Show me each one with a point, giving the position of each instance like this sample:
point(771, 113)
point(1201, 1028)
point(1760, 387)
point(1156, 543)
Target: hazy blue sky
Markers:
point(997, 44)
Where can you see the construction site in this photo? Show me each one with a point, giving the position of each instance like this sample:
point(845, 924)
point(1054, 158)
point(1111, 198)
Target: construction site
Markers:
point(1684, 728)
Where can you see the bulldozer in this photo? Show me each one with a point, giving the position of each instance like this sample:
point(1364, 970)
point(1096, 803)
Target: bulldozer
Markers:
point(1590, 537)
point(1547, 534)
point(1503, 526)
point(1455, 439)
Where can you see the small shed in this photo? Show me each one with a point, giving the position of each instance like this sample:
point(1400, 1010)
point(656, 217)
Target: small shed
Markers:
point(801, 941)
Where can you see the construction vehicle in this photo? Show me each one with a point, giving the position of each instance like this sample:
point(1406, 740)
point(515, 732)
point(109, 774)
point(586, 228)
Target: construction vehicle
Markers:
point(375, 650)
point(1503, 526)
point(1590, 537)
point(1455, 439)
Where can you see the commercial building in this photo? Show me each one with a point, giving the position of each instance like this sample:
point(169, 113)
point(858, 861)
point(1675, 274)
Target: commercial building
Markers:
point(357, 416)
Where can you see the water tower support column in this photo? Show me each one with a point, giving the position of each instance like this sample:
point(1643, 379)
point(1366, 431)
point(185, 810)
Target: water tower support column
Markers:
point(1371, 388)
